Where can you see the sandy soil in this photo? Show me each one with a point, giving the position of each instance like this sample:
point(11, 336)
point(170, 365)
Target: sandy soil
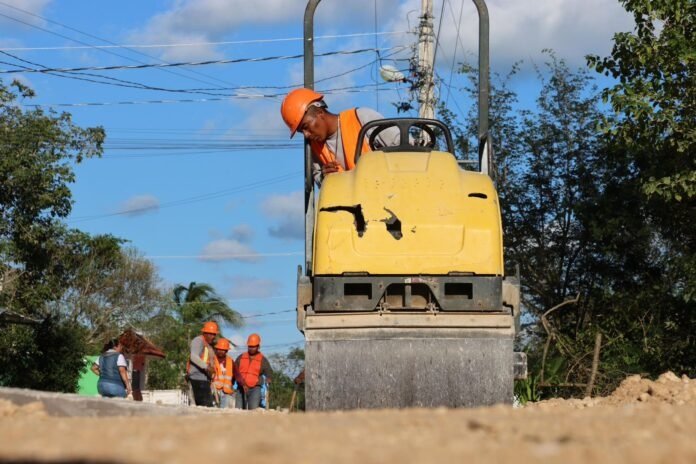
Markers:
point(641, 422)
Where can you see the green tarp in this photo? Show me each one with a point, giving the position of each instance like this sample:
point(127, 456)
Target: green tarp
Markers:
point(87, 384)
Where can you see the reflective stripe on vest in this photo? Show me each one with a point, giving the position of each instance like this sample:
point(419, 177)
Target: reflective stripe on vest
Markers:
point(224, 381)
point(350, 129)
point(250, 369)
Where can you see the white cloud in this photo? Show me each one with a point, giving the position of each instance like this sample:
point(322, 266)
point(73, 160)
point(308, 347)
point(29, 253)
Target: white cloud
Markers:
point(139, 205)
point(243, 233)
point(237, 340)
point(288, 212)
point(263, 116)
point(211, 20)
point(253, 287)
point(21, 10)
point(229, 249)
point(520, 29)
point(193, 21)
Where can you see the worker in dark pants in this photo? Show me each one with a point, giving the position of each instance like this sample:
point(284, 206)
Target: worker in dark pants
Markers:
point(251, 366)
point(201, 365)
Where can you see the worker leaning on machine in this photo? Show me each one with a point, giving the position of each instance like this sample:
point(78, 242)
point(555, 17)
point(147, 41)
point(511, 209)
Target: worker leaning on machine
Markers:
point(333, 137)
point(201, 366)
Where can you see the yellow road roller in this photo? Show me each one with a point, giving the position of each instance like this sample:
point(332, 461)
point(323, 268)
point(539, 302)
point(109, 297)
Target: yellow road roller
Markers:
point(403, 299)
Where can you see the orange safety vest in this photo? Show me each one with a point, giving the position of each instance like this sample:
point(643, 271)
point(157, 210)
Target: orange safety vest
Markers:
point(250, 368)
point(224, 381)
point(350, 129)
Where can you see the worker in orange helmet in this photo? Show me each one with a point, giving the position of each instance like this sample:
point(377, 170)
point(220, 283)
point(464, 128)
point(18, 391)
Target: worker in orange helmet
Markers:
point(252, 367)
point(333, 137)
point(224, 374)
point(201, 366)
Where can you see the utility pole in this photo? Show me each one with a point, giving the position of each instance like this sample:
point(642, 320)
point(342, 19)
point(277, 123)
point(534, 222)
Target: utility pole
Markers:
point(426, 54)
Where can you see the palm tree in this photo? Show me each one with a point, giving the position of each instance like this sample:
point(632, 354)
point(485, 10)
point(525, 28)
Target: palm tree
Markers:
point(198, 303)
point(173, 328)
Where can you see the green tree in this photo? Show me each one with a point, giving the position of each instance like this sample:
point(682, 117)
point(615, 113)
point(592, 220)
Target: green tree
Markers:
point(655, 98)
point(650, 170)
point(286, 366)
point(46, 357)
point(37, 152)
point(577, 221)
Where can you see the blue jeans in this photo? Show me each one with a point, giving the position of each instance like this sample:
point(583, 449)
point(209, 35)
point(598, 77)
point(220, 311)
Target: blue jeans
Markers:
point(250, 400)
point(111, 390)
point(226, 401)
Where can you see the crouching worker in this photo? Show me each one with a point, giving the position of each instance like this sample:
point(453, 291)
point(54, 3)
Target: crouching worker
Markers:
point(201, 365)
point(250, 367)
point(225, 374)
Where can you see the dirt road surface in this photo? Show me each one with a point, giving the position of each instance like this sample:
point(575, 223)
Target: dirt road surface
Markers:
point(641, 422)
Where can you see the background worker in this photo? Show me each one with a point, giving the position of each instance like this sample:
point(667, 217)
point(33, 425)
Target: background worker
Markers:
point(224, 375)
point(251, 367)
point(112, 370)
point(333, 137)
point(201, 365)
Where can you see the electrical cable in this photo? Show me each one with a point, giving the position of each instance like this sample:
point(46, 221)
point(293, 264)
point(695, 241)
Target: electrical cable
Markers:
point(277, 96)
point(196, 63)
point(221, 256)
point(204, 91)
point(194, 199)
point(84, 43)
point(117, 83)
point(198, 44)
point(191, 71)
point(456, 44)
point(249, 316)
point(439, 29)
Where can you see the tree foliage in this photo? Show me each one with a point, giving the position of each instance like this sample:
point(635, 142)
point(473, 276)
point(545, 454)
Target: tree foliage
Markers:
point(655, 98)
point(47, 357)
point(37, 149)
point(109, 287)
point(577, 221)
point(286, 366)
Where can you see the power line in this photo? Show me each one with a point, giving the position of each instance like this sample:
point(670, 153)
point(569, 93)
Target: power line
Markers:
point(194, 199)
point(84, 43)
point(198, 44)
point(221, 256)
point(203, 100)
point(279, 345)
point(195, 63)
point(249, 316)
point(461, 111)
point(138, 85)
point(456, 44)
point(117, 82)
point(439, 29)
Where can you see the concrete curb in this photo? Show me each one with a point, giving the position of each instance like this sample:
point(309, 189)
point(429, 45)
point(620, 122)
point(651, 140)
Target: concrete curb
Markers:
point(71, 405)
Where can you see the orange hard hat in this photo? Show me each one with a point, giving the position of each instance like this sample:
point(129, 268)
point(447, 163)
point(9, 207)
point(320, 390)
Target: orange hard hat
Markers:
point(222, 344)
point(254, 340)
point(295, 106)
point(210, 327)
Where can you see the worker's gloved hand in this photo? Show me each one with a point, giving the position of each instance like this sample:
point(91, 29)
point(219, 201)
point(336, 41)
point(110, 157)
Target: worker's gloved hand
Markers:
point(330, 168)
point(211, 371)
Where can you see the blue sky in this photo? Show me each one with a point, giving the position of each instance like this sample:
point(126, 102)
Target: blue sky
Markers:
point(210, 189)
